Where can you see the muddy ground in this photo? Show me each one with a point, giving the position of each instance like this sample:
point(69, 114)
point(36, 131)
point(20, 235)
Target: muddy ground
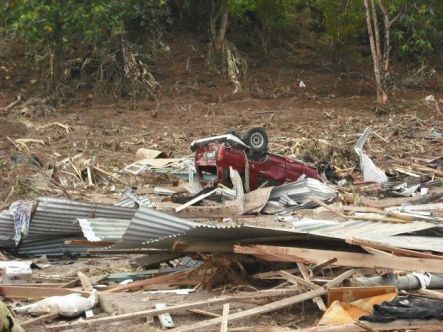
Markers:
point(323, 120)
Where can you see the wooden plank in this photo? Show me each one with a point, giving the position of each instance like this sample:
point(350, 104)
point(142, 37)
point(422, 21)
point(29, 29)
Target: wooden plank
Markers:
point(84, 280)
point(180, 307)
point(272, 274)
point(316, 256)
point(224, 323)
point(46, 285)
point(39, 320)
point(268, 307)
point(431, 293)
point(70, 284)
point(394, 250)
point(52, 280)
point(298, 281)
point(204, 313)
point(321, 266)
point(182, 277)
point(18, 292)
point(305, 273)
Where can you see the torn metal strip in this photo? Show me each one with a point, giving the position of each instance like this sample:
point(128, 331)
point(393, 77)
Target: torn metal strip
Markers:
point(371, 173)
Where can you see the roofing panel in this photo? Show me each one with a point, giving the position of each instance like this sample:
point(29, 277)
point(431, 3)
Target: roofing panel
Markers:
point(101, 229)
point(49, 246)
point(59, 215)
point(375, 231)
point(6, 226)
point(150, 224)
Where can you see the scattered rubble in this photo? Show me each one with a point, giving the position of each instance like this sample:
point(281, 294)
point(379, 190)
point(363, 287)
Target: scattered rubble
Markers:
point(210, 244)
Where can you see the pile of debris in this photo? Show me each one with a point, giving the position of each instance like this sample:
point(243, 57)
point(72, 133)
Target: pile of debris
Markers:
point(239, 233)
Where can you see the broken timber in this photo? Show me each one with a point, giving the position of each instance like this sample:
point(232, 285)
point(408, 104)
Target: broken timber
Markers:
point(270, 306)
point(315, 256)
point(20, 292)
point(192, 305)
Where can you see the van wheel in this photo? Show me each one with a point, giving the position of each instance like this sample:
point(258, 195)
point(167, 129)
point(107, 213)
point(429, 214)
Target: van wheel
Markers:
point(257, 140)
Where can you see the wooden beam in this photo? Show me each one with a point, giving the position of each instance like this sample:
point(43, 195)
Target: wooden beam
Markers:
point(431, 293)
point(18, 292)
point(297, 280)
point(316, 256)
point(84, 280)
point(180, 307)
point(70, 284)
point(305, 273)
point(321, 266)
point(267, 307)
point(224, 323)
point(181, 277)
point(39, 320)
point(394, 250)
point(204, 313)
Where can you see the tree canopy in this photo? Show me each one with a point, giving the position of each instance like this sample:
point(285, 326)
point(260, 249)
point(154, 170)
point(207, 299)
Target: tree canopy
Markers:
point(95, 33)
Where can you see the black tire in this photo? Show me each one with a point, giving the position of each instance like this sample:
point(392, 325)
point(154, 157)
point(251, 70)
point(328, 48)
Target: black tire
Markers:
point(257, 140)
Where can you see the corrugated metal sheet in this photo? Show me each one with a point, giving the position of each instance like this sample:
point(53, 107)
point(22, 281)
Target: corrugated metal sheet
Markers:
point(354, 228)
point(51, 247)
point(375, 231)
point(100, 229)
point(371, 172)
point(149, 224)
point(208, 233)
point(130, 203)
point(414, 242)
point(6, 226)
point(301, 189)
point(296, 195)
point(59, 216)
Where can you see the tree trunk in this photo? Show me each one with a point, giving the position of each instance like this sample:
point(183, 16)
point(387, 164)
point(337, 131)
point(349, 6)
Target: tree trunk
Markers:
point(58, 60)
point(219, 24)
point(374, 41)
point(387, 26)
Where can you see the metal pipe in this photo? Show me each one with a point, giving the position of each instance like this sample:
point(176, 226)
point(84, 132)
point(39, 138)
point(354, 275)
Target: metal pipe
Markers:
point(406, 282)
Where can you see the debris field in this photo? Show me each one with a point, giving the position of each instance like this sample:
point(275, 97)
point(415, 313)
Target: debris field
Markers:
point(334, 227)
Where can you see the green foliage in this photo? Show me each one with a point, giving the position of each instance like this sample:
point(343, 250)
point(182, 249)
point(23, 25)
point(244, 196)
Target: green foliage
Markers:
point(343, 22)
point(419, 29)
point(39, 21)
point(273, 14)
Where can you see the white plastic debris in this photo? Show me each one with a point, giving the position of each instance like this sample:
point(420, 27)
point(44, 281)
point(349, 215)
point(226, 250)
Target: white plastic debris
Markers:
point(302, 85)
point(89, 314)
point(72, 305)
point(126, 281)
point(16, 272)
